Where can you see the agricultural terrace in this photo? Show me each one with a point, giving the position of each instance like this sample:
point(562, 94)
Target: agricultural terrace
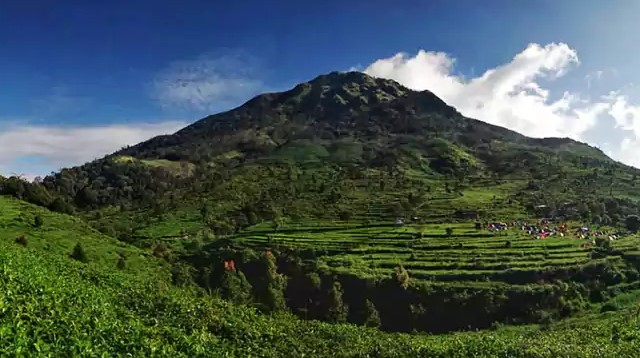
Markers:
point(446, 252)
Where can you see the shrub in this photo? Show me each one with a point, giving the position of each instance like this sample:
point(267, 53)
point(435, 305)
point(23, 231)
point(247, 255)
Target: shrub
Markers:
point(121, 263)
point(345, 215)
point(161, 250)
point(609, 307)
point(336, 311)
point(371, 316)
point(22, 240)
point(37, 221)
point(402, 277)
point(235, 287)
point(182, 275)
point(632, 223)
point(603, 243)
point(79, 254)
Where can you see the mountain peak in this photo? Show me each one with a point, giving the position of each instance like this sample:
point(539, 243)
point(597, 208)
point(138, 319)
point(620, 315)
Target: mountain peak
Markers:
point(337, 91)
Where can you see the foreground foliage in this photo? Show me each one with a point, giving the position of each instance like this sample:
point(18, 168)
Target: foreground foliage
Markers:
point(50, 305)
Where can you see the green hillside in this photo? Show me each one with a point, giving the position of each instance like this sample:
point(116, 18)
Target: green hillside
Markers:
point(53, 305)
point(364, 148)
point(351, 199)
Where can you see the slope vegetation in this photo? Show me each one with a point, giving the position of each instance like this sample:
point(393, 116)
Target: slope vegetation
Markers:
point(344, 145)
point(53, 305)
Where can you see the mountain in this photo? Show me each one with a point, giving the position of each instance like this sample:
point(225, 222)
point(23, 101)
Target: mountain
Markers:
point(297, 202)
point(343, 145)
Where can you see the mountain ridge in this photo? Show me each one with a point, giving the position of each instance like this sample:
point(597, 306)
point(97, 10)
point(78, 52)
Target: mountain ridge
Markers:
point(266, 102)
point(332, 140)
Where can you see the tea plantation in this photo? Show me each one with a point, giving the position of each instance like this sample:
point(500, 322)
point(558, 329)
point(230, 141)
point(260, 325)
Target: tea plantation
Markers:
point(54, 305)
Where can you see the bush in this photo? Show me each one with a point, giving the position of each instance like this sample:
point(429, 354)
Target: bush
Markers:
point(161, 250)
point(37, 221)
point(79, 254)
point(182, 274)
point(632, 223)
point(609, 307)
point(121, 263)
point(22, 240)
point(371, 316)
point(401, 277)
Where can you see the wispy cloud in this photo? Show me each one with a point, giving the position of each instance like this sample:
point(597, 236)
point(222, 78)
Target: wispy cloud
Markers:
point(513, 95)
point(37, 149)
point(60, 100)
point(208, 83)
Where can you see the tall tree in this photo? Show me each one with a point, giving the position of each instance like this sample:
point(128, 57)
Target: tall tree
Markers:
point(336, 310)
point(371, 315)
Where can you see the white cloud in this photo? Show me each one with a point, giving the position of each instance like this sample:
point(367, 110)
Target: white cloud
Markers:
point(53, 147)
point(514, 95)
point(209, 82)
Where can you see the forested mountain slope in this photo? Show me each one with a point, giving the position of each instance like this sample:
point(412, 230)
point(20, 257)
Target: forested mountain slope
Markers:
point(343, 146)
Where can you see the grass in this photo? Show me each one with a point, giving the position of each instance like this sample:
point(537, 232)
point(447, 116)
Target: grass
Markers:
point(59, 233)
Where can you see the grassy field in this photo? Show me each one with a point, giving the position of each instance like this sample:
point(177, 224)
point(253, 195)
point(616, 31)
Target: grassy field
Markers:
point(59, 233)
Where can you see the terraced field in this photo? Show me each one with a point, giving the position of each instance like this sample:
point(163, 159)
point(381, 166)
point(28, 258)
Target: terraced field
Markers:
point(428, 253)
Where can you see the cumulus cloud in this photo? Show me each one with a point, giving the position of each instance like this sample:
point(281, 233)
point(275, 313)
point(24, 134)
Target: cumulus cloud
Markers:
point(39, 149)
point(514, 95)
point(209, 82)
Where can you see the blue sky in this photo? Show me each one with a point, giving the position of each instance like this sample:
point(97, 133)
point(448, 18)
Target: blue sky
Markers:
point(83, 78)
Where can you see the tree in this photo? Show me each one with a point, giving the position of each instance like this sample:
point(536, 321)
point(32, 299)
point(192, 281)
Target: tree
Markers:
point(182, 274)
point(596, 219)
point(121, 263)
point(277, 222)
point(60, 206)
point(632, 222)
point(336, 310)
point(603, 243)
point(87, 197)
point(449, 231)
point(37, 221)
point(402, 277)
point(235, 287)
point(396, 209)
point(161, 250)
point(371, 315)
point(271, 284)
point(205, 212)
point(345, 215)
point(241, 220)
point(79, 254)
point(252, 217)
point(22, 240)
